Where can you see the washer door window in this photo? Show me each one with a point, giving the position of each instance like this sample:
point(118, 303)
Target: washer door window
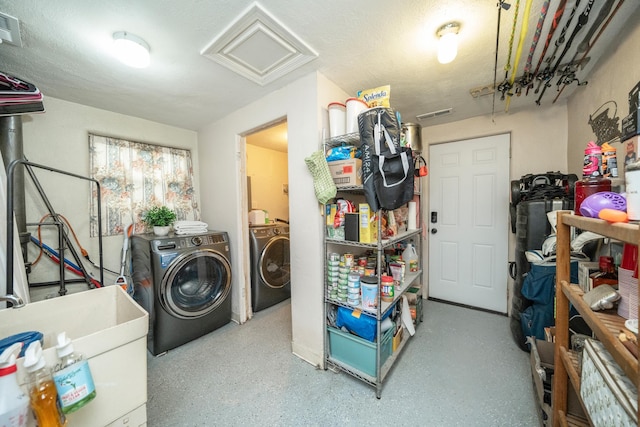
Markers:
point(196, 283)
point(275, 264)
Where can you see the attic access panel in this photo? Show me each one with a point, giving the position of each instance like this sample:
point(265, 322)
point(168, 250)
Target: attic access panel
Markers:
point(259, 48)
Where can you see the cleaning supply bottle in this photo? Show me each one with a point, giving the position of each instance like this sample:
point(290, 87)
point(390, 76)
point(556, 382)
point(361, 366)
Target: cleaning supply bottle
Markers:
point(72, 377)
point(14, 403)
point(42, 390)
point(410, 257)
point(592, 180)
point(609, 161)
point(592, 161)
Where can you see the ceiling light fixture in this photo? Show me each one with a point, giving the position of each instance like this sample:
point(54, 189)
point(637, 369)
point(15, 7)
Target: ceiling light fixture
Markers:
point(448, 42)
point(131, 49)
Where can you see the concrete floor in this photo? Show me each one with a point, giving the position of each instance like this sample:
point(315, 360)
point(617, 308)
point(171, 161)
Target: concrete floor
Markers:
point(462, 368)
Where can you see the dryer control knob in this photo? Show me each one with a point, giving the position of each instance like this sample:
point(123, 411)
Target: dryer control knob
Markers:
point(197, 240)
point(276, 231)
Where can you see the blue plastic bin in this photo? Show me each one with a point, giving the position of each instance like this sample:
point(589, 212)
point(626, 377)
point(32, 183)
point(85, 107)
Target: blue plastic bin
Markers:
point(358, 353)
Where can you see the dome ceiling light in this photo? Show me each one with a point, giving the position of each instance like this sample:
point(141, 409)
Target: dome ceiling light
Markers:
point(131, 49)
point(448, 42)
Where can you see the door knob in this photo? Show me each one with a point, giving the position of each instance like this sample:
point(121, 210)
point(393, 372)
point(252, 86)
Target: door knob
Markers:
point(434, 230)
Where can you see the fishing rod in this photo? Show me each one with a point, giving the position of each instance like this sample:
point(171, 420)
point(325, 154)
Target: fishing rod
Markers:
point(583, 19)
point(527, 77)
point(505, 6)
point(554, 24)
point(566, 80)
point(523, 34)
point(545, 75)
point(504, 86)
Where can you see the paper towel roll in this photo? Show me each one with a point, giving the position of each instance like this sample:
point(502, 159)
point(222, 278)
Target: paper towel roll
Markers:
point(406, 316)
point(411, 216)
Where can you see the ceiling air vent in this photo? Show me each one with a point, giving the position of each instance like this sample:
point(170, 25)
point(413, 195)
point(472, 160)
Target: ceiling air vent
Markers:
point(10, 30)
point(258, 47)
point(434, 114)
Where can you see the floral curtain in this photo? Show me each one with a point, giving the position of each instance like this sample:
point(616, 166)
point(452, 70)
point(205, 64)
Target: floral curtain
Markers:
point(136, 176)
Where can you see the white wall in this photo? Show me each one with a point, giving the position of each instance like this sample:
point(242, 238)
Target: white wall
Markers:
point(538, 145)
point(59, 139)
point(615, 75)
point(268, 171)
point(221, 150)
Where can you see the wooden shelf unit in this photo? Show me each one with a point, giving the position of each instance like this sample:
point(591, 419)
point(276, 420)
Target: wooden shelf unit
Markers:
point(605, 325)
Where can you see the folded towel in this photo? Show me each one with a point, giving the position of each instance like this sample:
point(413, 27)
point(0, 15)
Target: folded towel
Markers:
point(194, 230)
point(190, 227)
point(185, 224)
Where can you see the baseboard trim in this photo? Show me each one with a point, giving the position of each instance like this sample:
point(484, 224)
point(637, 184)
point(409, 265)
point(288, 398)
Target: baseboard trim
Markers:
point(468, 306)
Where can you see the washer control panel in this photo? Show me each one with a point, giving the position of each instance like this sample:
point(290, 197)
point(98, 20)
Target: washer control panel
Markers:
point(186, 242)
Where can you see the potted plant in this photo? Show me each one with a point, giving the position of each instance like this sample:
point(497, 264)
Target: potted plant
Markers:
point(160, 218)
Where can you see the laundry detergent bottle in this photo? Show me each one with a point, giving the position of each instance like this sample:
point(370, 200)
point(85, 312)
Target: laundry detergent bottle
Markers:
point(72, 377)
point(14, 403)
point(42, 391)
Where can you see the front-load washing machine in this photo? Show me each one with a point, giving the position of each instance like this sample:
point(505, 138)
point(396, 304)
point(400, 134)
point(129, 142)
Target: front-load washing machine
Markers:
point(270, 265)
point(184, 283)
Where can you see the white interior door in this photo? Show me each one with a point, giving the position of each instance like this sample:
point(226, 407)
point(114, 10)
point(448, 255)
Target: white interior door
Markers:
point(468, 221)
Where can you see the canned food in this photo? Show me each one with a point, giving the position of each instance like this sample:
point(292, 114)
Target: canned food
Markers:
point(348, 259)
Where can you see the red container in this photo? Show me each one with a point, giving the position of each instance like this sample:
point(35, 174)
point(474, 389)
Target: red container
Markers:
point(587, 187)
point(629, 257)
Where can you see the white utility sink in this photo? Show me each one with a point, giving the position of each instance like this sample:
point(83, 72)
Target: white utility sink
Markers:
point(110, 329)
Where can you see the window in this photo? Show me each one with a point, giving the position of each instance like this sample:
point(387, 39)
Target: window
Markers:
point(135, 176)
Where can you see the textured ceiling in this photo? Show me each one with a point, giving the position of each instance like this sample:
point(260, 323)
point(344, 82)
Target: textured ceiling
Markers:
point(360, 44)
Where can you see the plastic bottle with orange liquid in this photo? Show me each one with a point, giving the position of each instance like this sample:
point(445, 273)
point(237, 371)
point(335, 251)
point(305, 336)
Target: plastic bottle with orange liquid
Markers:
point(43, 395)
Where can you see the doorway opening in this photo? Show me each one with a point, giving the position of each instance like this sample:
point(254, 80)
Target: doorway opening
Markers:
point(267, 192)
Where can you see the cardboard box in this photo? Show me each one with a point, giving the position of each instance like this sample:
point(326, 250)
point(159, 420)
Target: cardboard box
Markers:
point(634, 98)
point(630, 126)
point(585, 268)
point(346, 173)
point(629, 151)
point(397, 339)
point(110, 330)
point(542, 365)
point(368, 224)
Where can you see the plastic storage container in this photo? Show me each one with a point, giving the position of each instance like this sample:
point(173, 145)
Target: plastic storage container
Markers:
point(337, 119)
point(386, 288)
point(588, 186)
point(357, 352)
point(354, 107)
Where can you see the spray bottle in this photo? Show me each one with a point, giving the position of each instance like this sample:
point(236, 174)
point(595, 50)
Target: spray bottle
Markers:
point(14, 403)
point(42, 390)
point(72, 377)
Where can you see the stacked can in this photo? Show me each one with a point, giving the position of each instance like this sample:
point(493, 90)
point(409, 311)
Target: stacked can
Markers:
point(333, 265)
point(353, 288)
point(343, 283)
